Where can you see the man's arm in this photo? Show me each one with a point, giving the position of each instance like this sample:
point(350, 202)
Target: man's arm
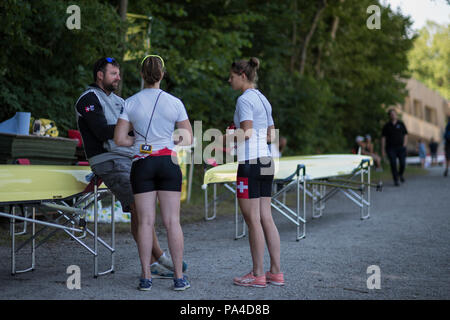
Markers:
point(90, 109)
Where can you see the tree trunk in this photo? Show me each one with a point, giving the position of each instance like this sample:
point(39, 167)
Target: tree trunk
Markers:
point(294, 38)
point(308, 37)
point(326, 46)
point(123, 16)
point(123, 9)
point(335, 25)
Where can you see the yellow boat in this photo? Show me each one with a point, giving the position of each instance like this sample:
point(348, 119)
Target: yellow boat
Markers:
point(310, 175)
point(62, 189)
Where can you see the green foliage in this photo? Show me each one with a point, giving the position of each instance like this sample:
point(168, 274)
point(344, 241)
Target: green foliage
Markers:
point(350, 73)
point(429, 60)
point(44, 65)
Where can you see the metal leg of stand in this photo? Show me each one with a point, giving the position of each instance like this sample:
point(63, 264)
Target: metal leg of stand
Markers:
point(365, 205)
point(323, 190)
point(13, 233)
point(214, 200)
point(12, 223)
point(95, 229)
point(113, 239)
point(206, 202)
point(303, 235)
point(33, 242)
point(113, 232)
point(236, 216)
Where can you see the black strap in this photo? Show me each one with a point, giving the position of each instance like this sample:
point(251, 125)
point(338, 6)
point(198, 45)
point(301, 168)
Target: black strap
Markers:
point(267, 113)
point(151, 118)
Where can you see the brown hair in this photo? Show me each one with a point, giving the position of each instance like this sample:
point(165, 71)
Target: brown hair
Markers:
point(100, 65)
point(152, 69)
point(248, 67)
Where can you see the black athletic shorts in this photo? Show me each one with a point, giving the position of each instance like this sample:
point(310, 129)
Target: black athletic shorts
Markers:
point(155, 173)
point(254, 178)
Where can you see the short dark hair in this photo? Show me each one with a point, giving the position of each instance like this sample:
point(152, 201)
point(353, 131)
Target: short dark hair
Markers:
point(100, 65)
point(390, 111)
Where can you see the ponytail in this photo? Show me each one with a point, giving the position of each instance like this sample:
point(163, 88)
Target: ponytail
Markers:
point(249, 67)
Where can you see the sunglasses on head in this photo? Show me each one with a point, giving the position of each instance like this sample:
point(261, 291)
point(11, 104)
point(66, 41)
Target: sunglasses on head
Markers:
point(110, 60)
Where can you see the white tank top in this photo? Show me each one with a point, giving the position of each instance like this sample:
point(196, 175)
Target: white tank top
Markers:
point(253, 105)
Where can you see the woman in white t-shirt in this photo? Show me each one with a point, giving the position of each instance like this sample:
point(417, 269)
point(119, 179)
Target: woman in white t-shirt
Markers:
point(255, 128)
point(153, 115)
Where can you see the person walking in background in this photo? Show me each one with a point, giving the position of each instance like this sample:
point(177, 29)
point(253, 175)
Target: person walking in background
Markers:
point(433, 151)
point(422, 152)
point(394, 139)
point(253, 118)
point(153, 114)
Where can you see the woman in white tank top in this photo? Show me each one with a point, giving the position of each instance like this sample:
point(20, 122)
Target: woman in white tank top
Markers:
point(253, 118)
point(152, 114)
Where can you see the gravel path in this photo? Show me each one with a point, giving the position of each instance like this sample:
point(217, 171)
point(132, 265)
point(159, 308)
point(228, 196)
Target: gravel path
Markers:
point(407, 237)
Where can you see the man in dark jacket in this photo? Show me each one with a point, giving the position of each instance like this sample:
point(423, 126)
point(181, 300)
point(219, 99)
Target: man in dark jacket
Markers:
point(393, 143)
point(433, 145)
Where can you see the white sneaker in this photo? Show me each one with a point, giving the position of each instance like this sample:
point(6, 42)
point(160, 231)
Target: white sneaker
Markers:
point(167, 262)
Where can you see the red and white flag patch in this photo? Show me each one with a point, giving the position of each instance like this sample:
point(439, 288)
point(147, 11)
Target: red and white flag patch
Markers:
point(89, 108)
point(242, 187)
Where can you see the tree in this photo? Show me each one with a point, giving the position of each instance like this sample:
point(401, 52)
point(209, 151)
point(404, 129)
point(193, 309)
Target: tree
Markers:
point(325, 73)
point(429, 59)
point(44, 66)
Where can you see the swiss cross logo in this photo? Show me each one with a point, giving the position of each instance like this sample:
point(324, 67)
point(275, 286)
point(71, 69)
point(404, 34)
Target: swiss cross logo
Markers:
point(89, 108)
point(242, 187)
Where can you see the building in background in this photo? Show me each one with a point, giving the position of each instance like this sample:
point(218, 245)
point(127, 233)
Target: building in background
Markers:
point(424, 113)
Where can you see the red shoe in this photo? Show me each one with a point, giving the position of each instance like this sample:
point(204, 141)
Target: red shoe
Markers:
point(249, 280)
point(276, 279)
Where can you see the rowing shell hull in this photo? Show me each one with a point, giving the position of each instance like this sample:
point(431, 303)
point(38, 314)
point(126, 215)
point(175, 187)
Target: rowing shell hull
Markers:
point(317, 167)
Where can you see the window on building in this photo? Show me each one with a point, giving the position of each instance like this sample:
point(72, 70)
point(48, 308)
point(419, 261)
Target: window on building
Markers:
point(418, 109)
point(406, 106)
point(428, 114)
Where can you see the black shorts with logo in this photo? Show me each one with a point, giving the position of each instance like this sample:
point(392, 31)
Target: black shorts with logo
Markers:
point(155, 173)
point(254, 178)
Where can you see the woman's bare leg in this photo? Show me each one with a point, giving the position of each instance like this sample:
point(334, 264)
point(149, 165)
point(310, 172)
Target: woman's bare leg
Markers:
point(156, 250)
point(169, 202)
point(251, 212)
point(271, 234)
point(145, 209)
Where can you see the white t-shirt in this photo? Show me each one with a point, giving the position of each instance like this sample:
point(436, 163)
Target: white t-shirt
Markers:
point(253, 105)
point(138, 110)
